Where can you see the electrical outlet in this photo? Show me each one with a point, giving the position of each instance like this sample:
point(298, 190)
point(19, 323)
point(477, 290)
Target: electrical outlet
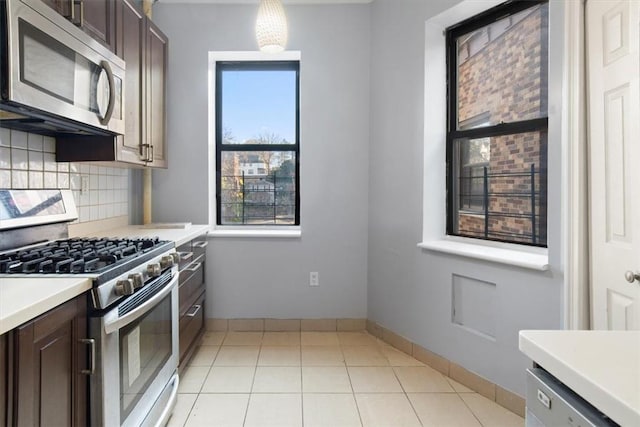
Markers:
point(84, 184)
point(314, 279)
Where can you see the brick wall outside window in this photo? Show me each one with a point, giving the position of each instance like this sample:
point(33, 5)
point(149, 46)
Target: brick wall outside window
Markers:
point(507, 79)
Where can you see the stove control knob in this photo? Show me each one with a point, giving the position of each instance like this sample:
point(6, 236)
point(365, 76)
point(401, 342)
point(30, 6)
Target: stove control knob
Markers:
point(166, 261)
point(176, 257)
point(124, 287)
point(154, 270)
point(137, 279)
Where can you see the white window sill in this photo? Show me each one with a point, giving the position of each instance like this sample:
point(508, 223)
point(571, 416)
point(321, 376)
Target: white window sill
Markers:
point(292, 233)
point(525, 257)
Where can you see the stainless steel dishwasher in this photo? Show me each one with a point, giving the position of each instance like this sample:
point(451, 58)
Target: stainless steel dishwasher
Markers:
point(550, 403)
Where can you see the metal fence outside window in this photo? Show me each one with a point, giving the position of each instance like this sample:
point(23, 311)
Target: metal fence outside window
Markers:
point(511, 204)
point(258, 199)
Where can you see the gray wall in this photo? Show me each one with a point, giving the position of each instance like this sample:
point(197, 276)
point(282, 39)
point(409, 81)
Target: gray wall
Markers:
point(270, 277)
point(410, 290)
point(362, 171)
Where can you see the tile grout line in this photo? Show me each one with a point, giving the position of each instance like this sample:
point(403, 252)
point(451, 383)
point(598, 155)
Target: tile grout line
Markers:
point(353, 392)
point(404, 391)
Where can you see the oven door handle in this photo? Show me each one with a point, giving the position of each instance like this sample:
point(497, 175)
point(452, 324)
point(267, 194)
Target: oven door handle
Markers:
point(112, 325)
point(173, 399)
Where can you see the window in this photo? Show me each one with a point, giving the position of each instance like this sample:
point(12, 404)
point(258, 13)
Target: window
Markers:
point(257, 143)
point(497, 66)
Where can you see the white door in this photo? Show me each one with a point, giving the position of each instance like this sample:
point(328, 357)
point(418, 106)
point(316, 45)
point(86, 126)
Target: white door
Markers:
point(613, 70)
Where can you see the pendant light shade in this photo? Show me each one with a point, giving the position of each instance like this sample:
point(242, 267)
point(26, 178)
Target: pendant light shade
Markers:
point(271, 26)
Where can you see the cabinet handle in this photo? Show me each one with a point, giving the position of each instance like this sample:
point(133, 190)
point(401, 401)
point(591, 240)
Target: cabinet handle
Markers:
point(92, 356)
point(184, 256)
point(148, 157)
point(144, 152)
point(194, 310)
point(81, 3)
point(194, 268)
point(200, 244)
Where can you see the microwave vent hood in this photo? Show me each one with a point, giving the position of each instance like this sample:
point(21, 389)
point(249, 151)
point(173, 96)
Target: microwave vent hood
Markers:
point(23, 119)
point(54, 78)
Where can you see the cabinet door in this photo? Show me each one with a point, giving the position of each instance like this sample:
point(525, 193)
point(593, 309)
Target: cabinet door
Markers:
point(130, 28)
point(50, 388)
point(96, 18)
point(156, 73)
point(63, 7)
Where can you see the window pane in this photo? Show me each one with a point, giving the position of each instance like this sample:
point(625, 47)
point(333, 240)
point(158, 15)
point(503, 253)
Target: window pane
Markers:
point(258, 106)
point(501, 187)
point(502, 70)
point(258, 188)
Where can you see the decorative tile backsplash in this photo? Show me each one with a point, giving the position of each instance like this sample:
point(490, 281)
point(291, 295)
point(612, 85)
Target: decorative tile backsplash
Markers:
point(27, 160)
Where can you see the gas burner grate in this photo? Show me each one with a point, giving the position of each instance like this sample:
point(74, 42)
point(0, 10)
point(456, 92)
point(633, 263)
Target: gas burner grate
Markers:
point(75, 256)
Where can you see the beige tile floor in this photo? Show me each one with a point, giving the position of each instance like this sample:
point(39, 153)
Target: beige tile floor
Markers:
point(322, 379)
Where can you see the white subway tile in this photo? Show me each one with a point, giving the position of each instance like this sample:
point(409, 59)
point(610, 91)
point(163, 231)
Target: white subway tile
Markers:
point(84, 199)
point(49, 144)
point(93, 197)
point(74, 167)
point(94, 213)
point(63, 167)
point(5, 158)
point(76, 184)
point(50, 164)
point(102, 184)
point(19, 139)
point(94, 169)
point(34, 142)
point(36, 179)
point(110, 211)
point(50, 180)
point(84, 168)
point(63, 180)
point(35, 160)
point(19, 159)
point(5, 137)
point(5, 179)
point(94, 182)
point(19, 179)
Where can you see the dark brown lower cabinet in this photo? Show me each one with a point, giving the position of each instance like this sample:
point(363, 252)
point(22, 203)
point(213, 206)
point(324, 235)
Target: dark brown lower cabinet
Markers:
point(192, 292)
point(48, 358)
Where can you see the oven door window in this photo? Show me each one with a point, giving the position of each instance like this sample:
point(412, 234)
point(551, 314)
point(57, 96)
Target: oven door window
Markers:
point(145, 347)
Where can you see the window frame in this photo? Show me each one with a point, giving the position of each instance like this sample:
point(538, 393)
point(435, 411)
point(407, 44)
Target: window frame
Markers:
point(290, 63)
point(454, 133)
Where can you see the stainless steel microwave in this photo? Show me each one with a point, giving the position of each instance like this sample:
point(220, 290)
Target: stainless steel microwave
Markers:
point(54, 78)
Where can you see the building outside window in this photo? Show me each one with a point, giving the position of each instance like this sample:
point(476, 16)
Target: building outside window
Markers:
point(257, 143)
point(497, 65)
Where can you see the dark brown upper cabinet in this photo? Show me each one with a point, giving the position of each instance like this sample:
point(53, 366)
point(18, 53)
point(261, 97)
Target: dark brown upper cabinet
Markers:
point(94, 17)
point(144, 49)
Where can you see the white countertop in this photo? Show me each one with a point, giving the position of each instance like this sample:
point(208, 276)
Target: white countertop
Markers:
point(601, 366)
point(178, 235)
point(22, 299)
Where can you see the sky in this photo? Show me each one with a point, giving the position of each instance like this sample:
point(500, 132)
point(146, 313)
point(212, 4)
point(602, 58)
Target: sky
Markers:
point(256, 102)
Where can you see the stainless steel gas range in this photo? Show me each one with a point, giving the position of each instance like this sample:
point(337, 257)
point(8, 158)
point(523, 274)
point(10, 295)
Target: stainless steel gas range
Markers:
point(133, 307)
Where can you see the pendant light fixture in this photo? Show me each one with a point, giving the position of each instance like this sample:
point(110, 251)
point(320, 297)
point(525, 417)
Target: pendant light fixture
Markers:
point(271, 26)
